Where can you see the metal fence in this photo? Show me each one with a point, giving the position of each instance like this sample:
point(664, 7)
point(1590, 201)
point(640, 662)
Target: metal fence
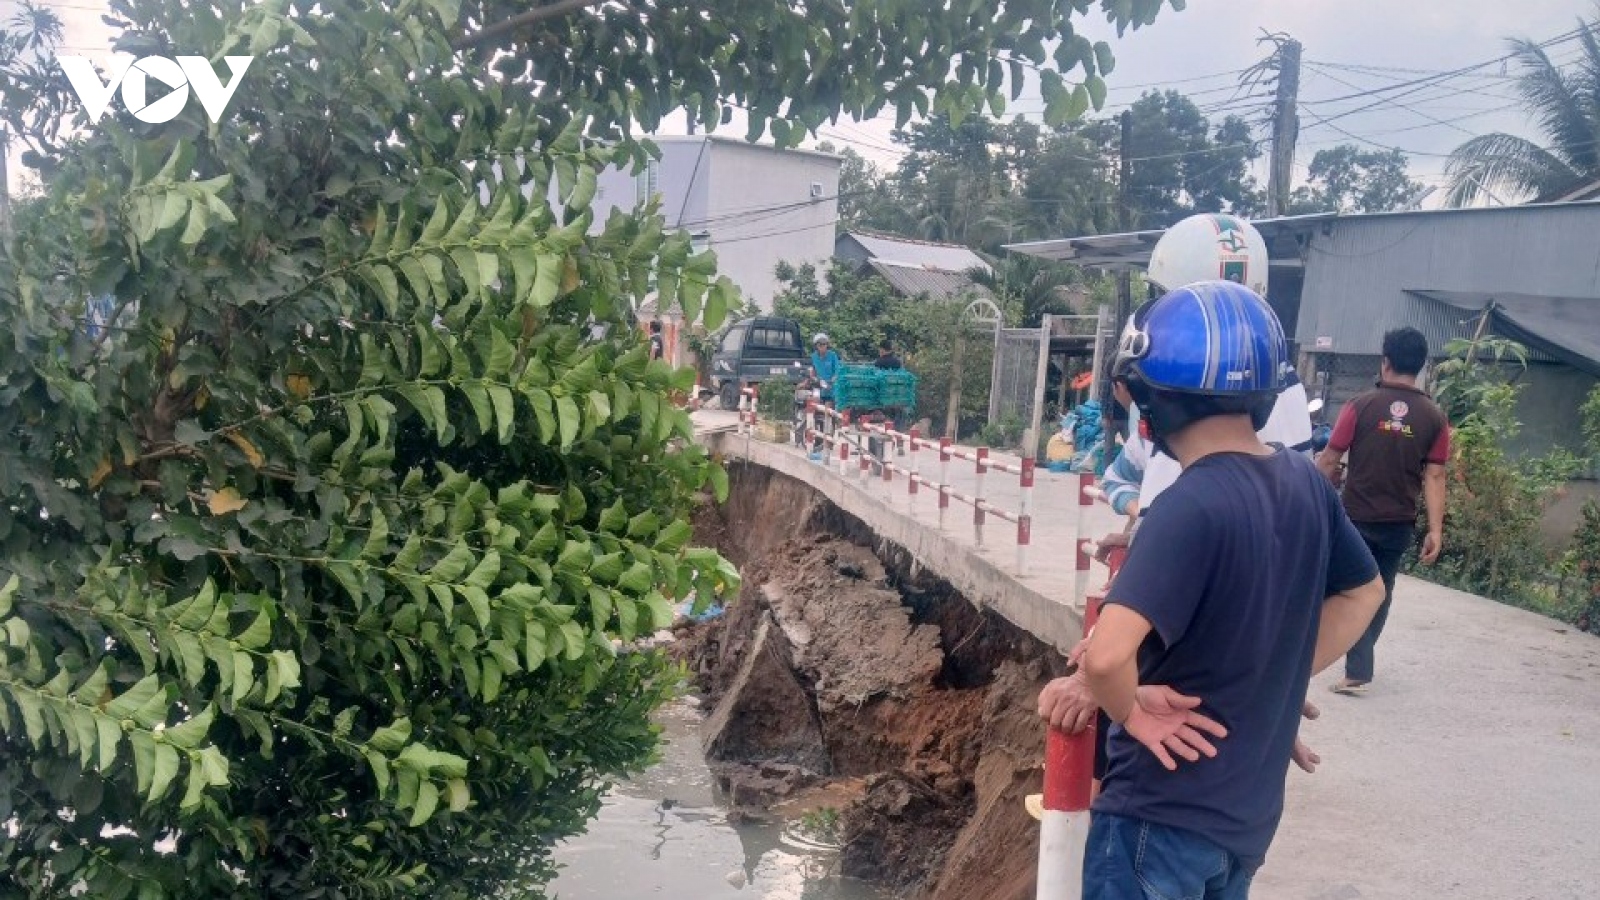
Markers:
point(1015, 387)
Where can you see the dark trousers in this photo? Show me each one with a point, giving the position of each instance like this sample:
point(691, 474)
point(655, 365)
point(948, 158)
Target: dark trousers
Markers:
point(1388, 542)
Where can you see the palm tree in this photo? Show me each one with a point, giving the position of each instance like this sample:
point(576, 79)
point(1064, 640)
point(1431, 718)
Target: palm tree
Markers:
point(1566, 104)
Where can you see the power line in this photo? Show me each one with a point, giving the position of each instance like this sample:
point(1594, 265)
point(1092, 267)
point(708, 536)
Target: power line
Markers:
point(1396, 103)
point(1433, 80)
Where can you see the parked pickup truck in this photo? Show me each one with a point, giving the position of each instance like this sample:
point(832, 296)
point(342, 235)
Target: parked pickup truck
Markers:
point(757, 350)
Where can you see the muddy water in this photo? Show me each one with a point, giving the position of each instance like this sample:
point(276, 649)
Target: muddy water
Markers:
point(666, 834)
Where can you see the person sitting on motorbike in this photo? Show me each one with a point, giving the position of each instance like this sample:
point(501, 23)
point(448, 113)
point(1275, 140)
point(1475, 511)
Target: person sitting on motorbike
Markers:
point(825, 365)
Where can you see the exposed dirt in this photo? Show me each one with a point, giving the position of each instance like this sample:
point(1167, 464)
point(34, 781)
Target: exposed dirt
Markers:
point(844, 675)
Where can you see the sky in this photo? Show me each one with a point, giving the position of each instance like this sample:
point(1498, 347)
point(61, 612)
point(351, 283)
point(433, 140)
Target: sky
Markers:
point(1200, 51)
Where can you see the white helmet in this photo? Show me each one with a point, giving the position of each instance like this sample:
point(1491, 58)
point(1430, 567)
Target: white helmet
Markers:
point(820, 337)
point(1210, 247)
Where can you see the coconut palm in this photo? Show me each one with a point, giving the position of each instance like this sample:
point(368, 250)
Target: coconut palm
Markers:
point(1566, 104)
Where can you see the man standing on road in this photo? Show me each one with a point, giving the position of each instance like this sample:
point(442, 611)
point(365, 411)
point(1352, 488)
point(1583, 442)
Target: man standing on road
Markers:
point(1399, 441)
point(1245, 579)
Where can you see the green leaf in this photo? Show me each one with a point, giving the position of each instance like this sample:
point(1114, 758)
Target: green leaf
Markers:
point(189, 734)
point(575, 640)
point(615, 518)
point(191, 658)
point(478, 600)
point(7, 593)
point(571, 421)
point(457, 795)
point(487, 570)
point(502, 356)
point(504, 411)
point(427, 802)
point(283, 674)
point(661, 611)
point(534, 647)
point(196, 612)
point(719, 482)
point(345, 573)
point(144, 759)
point(135, 698)
point(478, 396)
point(376, 545)
point(165, 769)
point(258, 635)
point(380, 769)
point(492, 679)
point(454, 564)
point(244, 676)
point(544, 412)
point(390, 739)
point(110, 736)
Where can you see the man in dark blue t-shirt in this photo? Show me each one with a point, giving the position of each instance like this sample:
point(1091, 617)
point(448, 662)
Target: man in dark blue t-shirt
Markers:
point(1244, 580)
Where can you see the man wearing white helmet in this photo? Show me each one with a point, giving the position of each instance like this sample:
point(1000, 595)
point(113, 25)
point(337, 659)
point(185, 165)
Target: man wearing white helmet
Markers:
point(1208, 248)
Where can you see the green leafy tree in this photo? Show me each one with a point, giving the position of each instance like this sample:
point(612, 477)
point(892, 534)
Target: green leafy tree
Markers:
point(336, 473)
point(1565, 102)
point(1347, 179)
point(867, 199)
point(1181, 164)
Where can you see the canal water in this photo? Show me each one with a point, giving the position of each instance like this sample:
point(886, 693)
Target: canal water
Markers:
point(666, 834)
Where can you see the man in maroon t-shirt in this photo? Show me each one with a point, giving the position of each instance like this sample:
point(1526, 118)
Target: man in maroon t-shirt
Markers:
point(1399, 441)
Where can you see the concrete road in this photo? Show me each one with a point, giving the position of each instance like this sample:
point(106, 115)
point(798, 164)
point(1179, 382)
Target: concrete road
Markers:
point(1471, 770)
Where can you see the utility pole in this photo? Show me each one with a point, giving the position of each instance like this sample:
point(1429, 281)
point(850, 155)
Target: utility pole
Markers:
point(1125, 212)
point(1285, 125)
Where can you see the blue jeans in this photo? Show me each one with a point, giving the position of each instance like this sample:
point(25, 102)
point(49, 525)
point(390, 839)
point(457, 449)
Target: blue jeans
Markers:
point(1129, 859)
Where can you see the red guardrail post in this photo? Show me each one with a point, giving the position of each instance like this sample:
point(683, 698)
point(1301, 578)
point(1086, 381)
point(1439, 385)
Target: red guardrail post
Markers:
point(1068, 783)
point(1025, 518)
point(944, 480)
point(916, 469)
point(977, 497)
point(841, 434)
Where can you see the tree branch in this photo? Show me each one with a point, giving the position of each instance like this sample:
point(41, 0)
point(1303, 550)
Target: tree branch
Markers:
point(539, 14)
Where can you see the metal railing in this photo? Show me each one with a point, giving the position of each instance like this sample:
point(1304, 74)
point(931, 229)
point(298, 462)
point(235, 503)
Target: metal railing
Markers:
point(867, 451)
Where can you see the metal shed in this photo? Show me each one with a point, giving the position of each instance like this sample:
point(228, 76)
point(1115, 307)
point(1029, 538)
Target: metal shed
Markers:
point(1341, 281)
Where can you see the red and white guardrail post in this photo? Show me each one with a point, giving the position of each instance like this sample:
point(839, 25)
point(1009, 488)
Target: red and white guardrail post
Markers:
point(1069, 759)
point(944, 479)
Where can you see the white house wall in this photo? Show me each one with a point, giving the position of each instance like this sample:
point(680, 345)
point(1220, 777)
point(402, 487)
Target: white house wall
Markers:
point(761, 212)
point(753, 204)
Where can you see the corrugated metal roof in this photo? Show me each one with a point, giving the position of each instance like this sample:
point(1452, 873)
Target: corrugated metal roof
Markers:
point(1132, 249)
point(919, 254)
point(915, 281)
point(1359, 270)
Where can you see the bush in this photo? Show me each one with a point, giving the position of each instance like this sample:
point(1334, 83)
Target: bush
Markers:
point(775, 400)
point(1579, 591)
point(1494, 503)
point(1002, 433)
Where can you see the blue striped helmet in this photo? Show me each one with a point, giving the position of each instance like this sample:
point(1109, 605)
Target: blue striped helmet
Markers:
point(1212, 337)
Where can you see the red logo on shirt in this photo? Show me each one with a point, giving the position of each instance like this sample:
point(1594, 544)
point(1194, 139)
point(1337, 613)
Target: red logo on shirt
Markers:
point(1398, 409)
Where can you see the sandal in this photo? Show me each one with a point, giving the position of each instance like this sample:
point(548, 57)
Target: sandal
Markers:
point(1349, 688)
